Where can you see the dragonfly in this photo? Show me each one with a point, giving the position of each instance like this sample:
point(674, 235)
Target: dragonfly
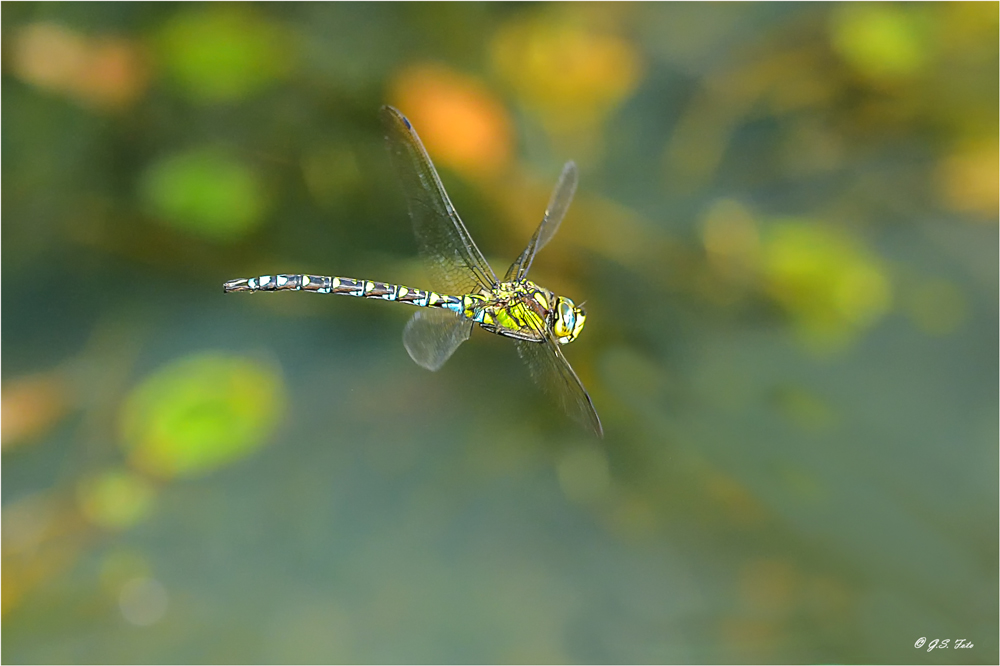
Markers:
point(466, 292)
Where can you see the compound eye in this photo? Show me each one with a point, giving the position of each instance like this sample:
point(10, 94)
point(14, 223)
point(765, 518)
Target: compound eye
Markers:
point(565, 319)
point(566, 313)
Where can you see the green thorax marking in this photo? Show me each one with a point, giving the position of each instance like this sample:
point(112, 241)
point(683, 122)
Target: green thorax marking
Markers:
point(514, 309)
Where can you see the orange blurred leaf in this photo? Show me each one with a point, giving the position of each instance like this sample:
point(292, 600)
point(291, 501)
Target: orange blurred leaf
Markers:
point(462, 123)
point(99, 72)
point(31, 405)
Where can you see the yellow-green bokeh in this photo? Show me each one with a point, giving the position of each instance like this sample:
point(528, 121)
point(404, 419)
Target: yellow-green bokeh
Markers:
point(880, 41)
point(205, 192)
point(222, 53)
point(201, 412)
point(827, 281)
point(115, 499)
point(569, 73)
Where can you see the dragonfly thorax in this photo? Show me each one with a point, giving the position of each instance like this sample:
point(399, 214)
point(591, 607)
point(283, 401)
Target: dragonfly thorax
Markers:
point(521, 309)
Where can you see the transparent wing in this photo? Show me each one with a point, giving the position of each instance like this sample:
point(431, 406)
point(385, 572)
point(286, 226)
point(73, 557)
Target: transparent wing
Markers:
point(432, 336)
point(550, 370)
point(562, 195)
point(456, 264)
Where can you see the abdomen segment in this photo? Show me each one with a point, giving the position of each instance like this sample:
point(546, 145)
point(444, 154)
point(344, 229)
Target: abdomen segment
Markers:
point(322, 284)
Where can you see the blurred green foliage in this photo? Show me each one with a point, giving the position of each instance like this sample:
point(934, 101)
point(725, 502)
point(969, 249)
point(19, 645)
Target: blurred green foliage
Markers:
point(222, 53)
point(204, 192)
point(785, 234)
point(115, 498)
point(825, 281)
point(199, 413)
point(881, 40)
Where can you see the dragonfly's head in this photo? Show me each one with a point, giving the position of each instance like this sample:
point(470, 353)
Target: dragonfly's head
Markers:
point(569, 320)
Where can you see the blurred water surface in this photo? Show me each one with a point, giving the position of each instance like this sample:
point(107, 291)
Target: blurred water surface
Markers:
point(786, 237)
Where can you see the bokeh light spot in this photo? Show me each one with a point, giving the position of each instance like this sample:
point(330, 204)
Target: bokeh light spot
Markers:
point(830, 285)
point(143, 601)
point(463, 124)
point(204, 192)
point(223, 53)
point(879, 40)
point(969, 180)
point(201, 412)
point(115, 499)
point(861, 293)
point(570, 75)
point(31, 405)
point(97, 72)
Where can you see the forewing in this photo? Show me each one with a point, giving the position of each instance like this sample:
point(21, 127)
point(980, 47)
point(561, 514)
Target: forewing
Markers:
point(456, 264)
point(432, 336)
point(550, 370)
point(559, 202)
